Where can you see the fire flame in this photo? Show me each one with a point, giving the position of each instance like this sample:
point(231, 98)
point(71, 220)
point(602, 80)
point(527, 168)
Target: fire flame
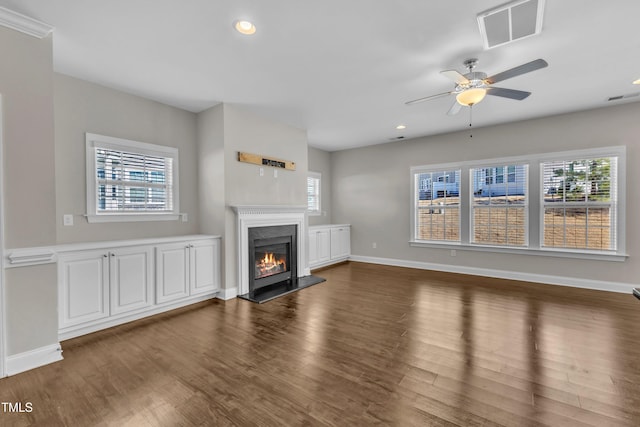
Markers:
point(271, 265)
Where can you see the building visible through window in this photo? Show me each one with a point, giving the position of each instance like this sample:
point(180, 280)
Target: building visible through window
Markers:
point(130, 178)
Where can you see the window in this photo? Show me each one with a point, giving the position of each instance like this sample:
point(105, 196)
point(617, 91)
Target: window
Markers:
point(579, 200)
point(499, 214)
point(130, 180)
point(437, 205)
point(575, 208)
point(313, 193)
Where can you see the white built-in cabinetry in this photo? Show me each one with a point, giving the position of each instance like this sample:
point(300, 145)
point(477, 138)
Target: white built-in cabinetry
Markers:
point(109, 283)
point(329, 244)
point(185, 268)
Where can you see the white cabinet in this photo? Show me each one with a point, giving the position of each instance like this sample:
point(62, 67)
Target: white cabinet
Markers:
point(109, 283)
point(97, 284)
point(204, 266)
point(319, 246)
point(186, 268)
point(340, 243)
point(130, 278)
point(172, 272)
point(83, 293)
point(329, 244)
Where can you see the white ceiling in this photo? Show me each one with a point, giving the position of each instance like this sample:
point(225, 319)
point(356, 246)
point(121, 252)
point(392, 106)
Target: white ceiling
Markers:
point(342, 69)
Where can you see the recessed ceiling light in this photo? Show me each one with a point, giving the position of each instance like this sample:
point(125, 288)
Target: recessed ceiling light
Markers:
point(245, 27)
point(637, 82)
point(400, 127)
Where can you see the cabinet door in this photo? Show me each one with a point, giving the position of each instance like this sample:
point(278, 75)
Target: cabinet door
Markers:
point(340, 242)
point(324, 245)
point(83, 287)
point(204, 266)
point(130, 278)
point(172, 272)
point(313, 248)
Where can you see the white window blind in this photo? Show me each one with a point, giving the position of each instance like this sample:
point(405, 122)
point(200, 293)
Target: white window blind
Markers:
point(580, 203)
point(437, 205)
point(133, 182)
point(313, 193)
point(130, 180)
point(499, 205)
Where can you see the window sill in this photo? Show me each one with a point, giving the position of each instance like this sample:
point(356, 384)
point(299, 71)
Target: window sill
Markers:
point(556, 253)
point(132, 217)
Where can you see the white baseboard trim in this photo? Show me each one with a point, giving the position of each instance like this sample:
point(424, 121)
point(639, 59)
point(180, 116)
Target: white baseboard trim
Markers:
point(573, 282)
point(330, 262)
point(33, 358)
point(227, 294)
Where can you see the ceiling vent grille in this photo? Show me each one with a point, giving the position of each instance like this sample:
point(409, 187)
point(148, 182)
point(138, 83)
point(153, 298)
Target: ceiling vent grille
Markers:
point(511, 22)
point(620, 97)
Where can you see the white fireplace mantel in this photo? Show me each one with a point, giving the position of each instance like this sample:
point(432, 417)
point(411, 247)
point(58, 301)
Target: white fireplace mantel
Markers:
point(249, 216)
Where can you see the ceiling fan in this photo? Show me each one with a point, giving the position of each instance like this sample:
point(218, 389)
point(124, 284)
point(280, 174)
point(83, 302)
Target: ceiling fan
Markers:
point(472, 87)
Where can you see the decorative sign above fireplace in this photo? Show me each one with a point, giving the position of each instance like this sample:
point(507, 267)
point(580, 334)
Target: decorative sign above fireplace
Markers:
point(258, 159)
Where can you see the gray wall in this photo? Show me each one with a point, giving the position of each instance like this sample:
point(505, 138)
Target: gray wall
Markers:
point(27, 96)
point(320, 161)
point(82, 107)
point(29, 190)
point(211, 169)
point(371, 188)
point(245, 131)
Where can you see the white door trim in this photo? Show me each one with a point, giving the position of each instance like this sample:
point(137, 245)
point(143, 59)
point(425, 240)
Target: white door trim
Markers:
point(3, 360)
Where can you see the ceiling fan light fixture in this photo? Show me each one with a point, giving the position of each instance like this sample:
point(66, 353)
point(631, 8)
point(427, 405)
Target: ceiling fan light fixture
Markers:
point(471, 96)
point(244, 27)
point(637, 82)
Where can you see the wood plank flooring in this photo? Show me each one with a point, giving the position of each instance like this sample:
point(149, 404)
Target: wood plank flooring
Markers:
point(373, 345)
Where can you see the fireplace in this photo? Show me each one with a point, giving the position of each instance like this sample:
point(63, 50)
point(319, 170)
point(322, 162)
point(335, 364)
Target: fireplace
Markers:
point(280, 232)
point(272, 255)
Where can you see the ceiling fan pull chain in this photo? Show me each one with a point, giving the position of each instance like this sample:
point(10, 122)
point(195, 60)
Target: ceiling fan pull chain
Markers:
point(470, 121)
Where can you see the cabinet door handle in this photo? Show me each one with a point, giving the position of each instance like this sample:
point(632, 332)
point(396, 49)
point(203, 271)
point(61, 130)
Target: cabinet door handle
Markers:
point(105, 255)
point(112, 254)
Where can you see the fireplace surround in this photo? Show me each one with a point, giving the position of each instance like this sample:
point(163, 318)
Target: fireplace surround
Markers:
point(254, 216)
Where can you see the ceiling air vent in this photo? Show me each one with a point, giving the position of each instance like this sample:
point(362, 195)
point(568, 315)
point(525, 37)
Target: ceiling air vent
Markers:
point(510, 22)
point(620, 97)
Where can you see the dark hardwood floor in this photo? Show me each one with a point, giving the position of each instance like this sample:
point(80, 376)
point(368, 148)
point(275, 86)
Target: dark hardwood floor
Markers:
point(373, 345)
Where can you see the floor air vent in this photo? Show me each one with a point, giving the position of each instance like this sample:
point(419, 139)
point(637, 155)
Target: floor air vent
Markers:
point(510, 22)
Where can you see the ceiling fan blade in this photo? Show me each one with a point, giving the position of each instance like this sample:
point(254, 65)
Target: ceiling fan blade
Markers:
point(516, 71)
point(455, 109)
point(426, 98)
point(508, 93)
point(455, 76)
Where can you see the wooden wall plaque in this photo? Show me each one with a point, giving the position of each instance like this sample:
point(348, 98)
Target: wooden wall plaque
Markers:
point(258, 159)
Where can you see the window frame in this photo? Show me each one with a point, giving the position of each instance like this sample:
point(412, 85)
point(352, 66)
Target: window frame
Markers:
point(617, 206)
point(96, 141)
point(494, 182)
point(535, 206)
point(444, 168)
point(317, 176)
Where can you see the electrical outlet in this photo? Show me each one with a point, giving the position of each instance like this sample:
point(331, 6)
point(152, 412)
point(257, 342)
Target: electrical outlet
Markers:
point(375, 245)
point(453, 252)
point(185, 217)
point(275, 173)
point(67, 219)
point(261, 171)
